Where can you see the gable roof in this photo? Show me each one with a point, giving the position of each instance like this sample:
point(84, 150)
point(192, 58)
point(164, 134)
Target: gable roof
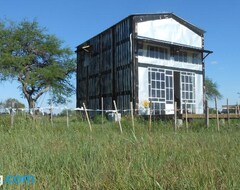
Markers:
point(155, 16)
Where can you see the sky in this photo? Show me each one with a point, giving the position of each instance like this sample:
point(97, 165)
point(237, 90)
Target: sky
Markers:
point(75, 21)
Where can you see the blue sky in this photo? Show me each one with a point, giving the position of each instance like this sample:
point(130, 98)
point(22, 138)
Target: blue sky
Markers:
point(75, 21)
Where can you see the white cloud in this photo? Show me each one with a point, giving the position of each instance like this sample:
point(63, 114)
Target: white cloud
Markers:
point(214, 62)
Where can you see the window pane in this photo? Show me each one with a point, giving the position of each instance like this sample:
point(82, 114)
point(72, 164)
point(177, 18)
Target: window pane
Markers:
point(162, 76)
point(171, 81)
point(153, 84)
point(162, 85)
point(167, 95)
point(153, 75)
point(162, 94)
point(153, 93)
point(183, 79)
point(167, 81)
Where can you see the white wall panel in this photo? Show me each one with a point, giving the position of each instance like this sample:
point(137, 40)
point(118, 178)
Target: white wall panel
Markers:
point(169, 30)
point(169, 63)
point(199, 93)
point(142, 87)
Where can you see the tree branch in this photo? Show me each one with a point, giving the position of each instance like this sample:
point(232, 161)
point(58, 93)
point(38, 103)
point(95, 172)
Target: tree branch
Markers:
point(41, 93)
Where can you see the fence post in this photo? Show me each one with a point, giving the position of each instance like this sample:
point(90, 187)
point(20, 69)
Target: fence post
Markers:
point(206, 114)
point(119, 122)
point(150, 117)
point(175, 116)
point(51, 113)
point(228, 112)
point(217, 114)
point(89, 124)
point(186, 115)
point(131, 104)
point(102, 110)
point(238, 110)
point(12, 115)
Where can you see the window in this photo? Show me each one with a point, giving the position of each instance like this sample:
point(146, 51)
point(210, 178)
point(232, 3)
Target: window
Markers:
point(196, 58)
point(153, 51)
point(188, 91)
point(157, 108)
point(180, 56)
point(160, 89)
point(169, 87)
point(157, 84)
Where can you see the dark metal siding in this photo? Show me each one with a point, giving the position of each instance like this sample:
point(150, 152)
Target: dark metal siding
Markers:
point(104, 69)
point(122, 70)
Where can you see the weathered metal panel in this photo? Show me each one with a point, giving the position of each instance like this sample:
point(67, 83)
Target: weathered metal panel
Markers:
point(123, 63)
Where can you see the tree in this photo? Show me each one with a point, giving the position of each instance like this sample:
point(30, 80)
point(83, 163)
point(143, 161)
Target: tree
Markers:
point(36, 61)
point(12, 101)
point(211, 89)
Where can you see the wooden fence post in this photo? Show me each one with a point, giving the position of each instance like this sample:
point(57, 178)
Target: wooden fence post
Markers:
point(102, 110)
point(228, 120)
point(238, 110)
point(175, 116)
point(217, 114)
point(150, 117)
point(131, 104)
point(206, 114)
point(119, 122)
point(51, 113)
point(89, 124)
point(186, 115)
point(12, 115)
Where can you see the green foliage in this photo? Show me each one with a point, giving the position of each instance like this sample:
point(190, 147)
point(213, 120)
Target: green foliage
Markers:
point(212, 89)
point(75, 158)
point(36, 60)
point(12, 102)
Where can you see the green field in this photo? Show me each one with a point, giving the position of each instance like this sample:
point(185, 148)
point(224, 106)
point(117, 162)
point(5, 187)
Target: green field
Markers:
point(61, 157)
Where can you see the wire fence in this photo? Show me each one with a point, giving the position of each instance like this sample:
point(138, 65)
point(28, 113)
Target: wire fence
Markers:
point(178, 116)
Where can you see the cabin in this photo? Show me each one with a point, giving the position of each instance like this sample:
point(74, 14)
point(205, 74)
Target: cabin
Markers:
point(151, 60)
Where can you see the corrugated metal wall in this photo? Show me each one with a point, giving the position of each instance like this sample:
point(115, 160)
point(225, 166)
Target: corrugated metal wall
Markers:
point(104, 69)
point(123, 64)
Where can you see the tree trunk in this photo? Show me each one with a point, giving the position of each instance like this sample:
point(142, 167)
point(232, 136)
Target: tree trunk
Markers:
point(31, 107)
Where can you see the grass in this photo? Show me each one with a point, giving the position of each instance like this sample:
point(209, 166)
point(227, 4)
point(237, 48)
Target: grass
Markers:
point(75, 158)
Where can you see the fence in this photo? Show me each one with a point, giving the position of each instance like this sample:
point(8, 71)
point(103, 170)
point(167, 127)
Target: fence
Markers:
point(179, 115)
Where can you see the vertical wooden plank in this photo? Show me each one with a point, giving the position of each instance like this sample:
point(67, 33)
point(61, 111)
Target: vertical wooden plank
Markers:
point(207, 119)
point(102, 109)
point(150, 116)
point(238, 110)
point(131, 104)
point(12, 115)
point(175, 116)
point(217, 117)
point(119, 122)
point(89, 124)
point(228, 120)
point(51, 113)
point(206, 114)
point(186, 115)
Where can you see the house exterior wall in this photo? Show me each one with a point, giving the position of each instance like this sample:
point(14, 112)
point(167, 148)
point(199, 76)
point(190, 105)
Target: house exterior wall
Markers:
point(156, 57)
point(104, 68)
point(169, 31)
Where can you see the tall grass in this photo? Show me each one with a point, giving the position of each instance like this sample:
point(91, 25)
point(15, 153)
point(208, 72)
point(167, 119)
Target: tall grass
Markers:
point(75, 158)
